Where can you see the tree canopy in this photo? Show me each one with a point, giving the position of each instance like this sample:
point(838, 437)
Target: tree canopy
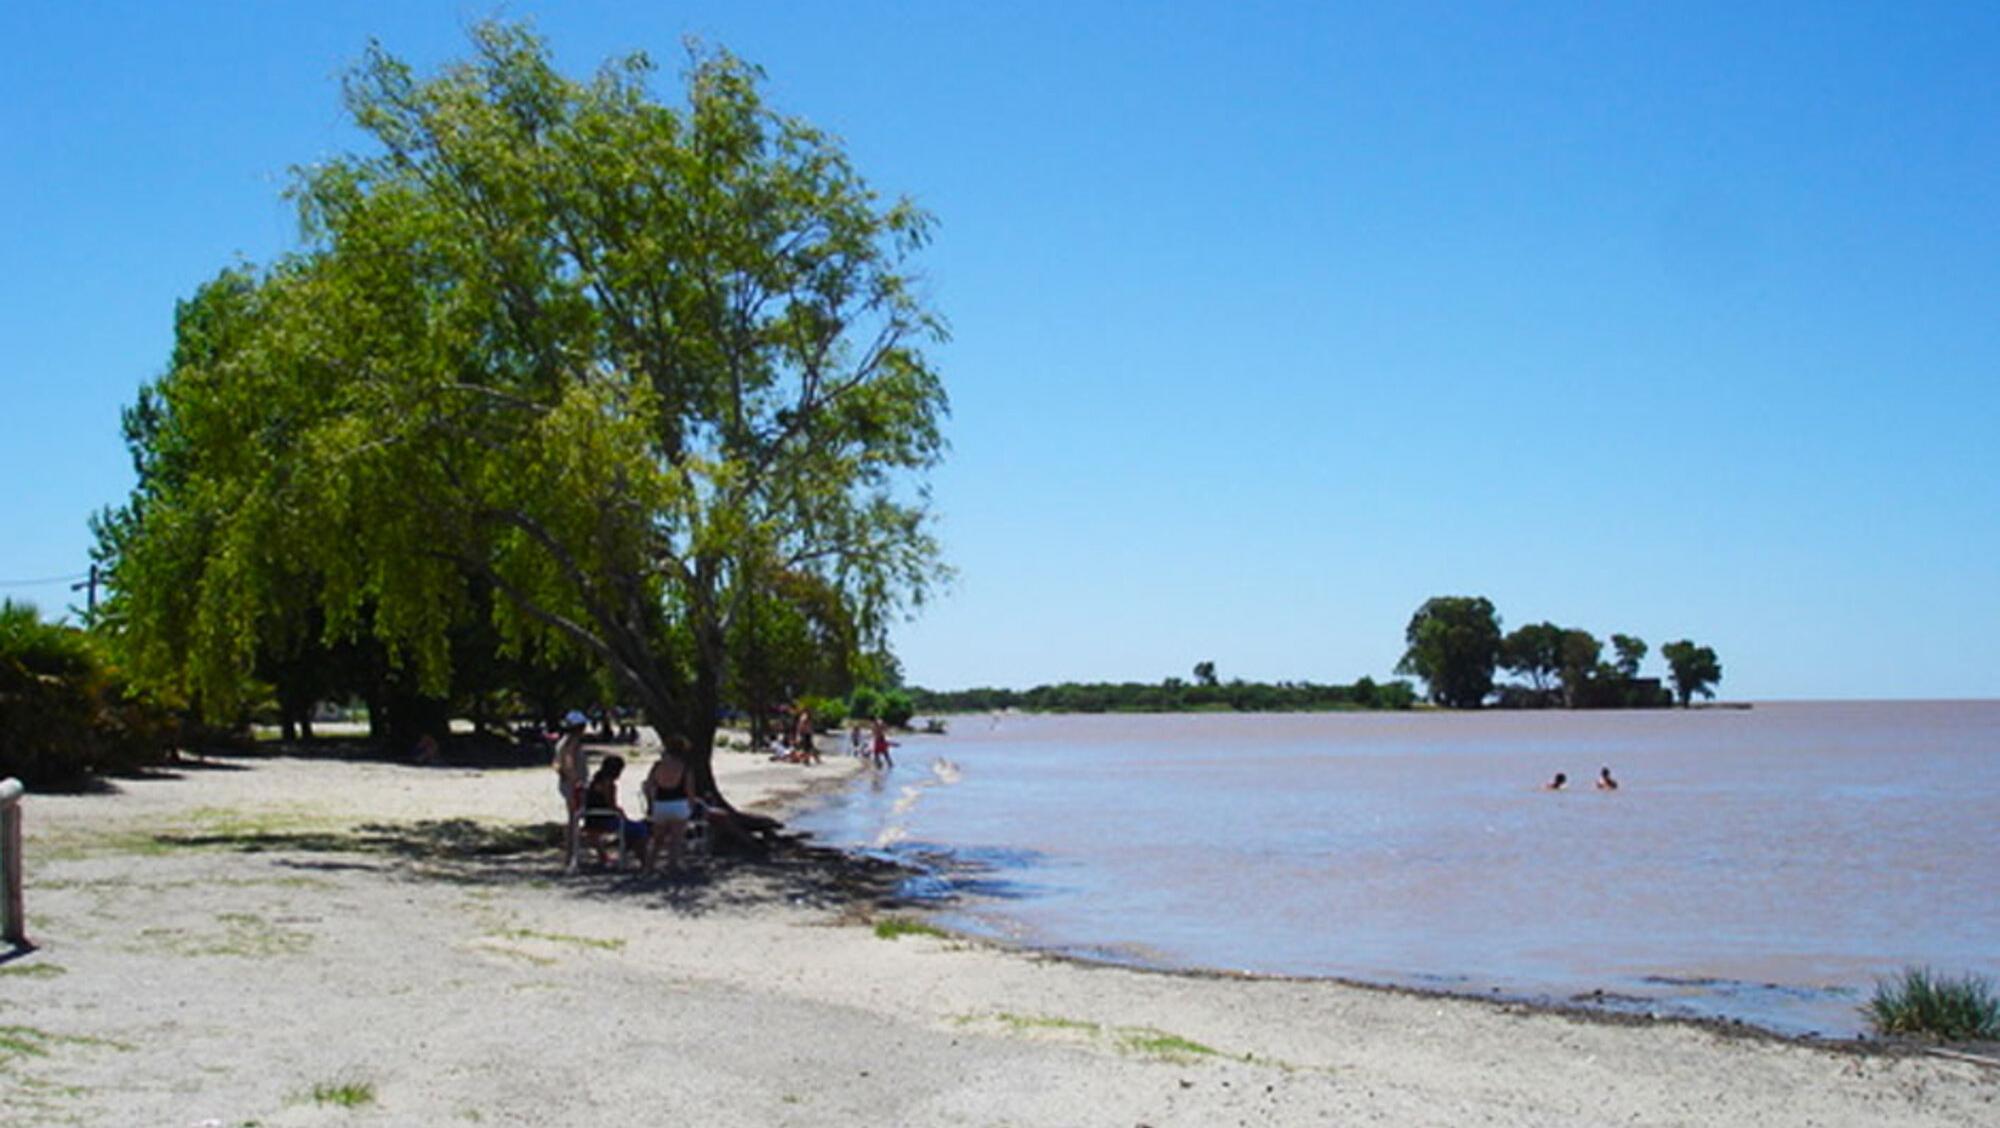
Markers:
point(1534, 651)
point(651, 376)
point(1694, 669)
point(1454, 644)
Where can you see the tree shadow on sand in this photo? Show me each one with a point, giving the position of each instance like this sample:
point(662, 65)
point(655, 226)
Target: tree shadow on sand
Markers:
point(791, 871)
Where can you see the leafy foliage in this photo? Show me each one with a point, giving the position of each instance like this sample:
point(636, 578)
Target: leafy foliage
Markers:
point(65, 711)
point(1454, 644)
point(865, 703)
point(897, 708)
point(1924, 1003)
point(1694, 669)
point(650, 375)
point(1631, 652)
point(1534, 651)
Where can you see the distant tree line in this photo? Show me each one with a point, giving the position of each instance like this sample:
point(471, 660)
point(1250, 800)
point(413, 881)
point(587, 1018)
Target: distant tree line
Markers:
point(1455, 645)
point(1206, 693)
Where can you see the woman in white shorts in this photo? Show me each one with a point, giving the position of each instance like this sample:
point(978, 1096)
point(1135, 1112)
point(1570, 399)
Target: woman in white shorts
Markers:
point(670, 802)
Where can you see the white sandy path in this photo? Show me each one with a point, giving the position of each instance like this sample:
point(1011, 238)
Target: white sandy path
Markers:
point(217, 985)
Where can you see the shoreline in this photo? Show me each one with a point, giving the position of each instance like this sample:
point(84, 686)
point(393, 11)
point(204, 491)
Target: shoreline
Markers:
point(217, 946)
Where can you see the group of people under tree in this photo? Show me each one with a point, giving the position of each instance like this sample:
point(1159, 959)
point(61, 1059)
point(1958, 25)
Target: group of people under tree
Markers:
point(673, 802)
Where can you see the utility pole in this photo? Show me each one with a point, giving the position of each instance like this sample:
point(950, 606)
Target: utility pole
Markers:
point(91, 585)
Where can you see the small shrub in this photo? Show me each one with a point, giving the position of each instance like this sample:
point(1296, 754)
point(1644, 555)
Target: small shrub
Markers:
point(1924, 1003)
point(828, 713)
point(864, 703)
point(66, 711)
point(346, 1094)
point(1160, 1044)
point(897, 708)
point(898, 927)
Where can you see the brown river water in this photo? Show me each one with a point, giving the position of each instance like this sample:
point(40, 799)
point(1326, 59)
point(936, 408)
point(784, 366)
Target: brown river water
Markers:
point(1763, 864)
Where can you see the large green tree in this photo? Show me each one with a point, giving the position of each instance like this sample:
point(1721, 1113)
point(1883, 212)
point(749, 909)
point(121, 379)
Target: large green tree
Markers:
point(1581, 674)
point(626, 364)
point(1454, 643)
point(1694, 669)
point(1535, 651)
point(1631, 652)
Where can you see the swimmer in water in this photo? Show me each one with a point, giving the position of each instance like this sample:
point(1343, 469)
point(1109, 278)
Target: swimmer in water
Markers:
point(1604, 780)
point(1557, 783)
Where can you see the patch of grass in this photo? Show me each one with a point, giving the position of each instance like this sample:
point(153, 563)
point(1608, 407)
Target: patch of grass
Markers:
point(525, 957)
point(609, 944)
point(27, 1041)
point(1142, 1040)
point(346, 1094)
point(1160, 1044)
point(205, 828)
point(1923, 1003)
point(23, 1041)
point(244, 935)
point(895, 928)
point(24, 1091)
point(32, 971)
point(1046, 1022)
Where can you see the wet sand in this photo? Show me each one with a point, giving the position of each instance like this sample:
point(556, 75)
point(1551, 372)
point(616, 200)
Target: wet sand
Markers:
point(218, 947)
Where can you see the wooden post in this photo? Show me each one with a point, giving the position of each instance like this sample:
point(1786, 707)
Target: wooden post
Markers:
point(10, 861)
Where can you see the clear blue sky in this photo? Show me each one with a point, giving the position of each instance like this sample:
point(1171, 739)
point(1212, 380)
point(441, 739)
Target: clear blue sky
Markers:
point(1270, 320)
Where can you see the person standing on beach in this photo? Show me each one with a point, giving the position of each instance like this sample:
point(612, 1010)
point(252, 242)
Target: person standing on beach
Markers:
point(572, 763)
point(803, 748)
point(670, 803)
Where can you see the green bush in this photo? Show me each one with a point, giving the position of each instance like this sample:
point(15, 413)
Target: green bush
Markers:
point(1924, 1003)
point(65, 712)
point(829, 713)
point(897, 708)
point(864, 703)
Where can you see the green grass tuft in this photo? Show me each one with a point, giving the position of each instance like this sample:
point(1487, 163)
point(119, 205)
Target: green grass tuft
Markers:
point(27, 1041)
point(1923, 1003)
point(1045, 1022)
point(1160, 1044)
point(898, 927)
point(346, 1094)
point(32, 971)
point(609, 944)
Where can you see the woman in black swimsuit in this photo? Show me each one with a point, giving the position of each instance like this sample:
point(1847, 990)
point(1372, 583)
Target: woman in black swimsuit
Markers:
point(669, 802)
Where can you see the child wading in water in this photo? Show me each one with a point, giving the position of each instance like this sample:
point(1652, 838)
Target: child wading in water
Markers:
point(882, 746)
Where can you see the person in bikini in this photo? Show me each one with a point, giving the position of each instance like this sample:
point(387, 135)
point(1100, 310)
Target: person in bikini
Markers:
point(670, 802)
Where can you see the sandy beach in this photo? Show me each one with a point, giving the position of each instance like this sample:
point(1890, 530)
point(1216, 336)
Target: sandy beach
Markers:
point(296, 941)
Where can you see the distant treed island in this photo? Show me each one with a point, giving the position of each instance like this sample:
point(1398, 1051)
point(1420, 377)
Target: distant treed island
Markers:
point(1455, 646)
